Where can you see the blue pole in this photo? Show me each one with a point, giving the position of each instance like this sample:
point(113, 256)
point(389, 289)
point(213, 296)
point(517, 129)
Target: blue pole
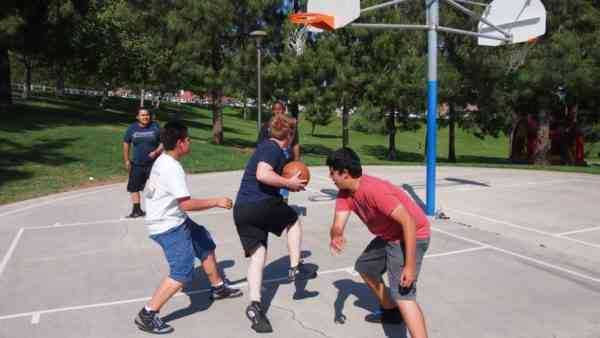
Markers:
point(432, 89)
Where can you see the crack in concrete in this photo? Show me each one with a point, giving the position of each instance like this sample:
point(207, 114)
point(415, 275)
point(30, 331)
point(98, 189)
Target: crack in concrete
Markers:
point(300, 322)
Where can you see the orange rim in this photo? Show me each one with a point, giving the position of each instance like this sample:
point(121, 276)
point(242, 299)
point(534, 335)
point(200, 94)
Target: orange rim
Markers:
point(313, 19)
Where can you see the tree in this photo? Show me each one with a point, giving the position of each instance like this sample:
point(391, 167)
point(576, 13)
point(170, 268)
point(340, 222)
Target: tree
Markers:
point(394, 64)
point(209, 35)
point(9, 24)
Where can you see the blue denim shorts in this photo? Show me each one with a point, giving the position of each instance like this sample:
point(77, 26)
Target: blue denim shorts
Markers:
point(181, 245)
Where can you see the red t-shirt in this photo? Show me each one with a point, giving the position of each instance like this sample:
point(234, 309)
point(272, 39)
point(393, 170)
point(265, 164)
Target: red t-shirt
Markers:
point(374, 202)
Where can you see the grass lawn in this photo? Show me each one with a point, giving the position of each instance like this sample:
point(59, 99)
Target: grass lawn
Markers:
point(49, 145)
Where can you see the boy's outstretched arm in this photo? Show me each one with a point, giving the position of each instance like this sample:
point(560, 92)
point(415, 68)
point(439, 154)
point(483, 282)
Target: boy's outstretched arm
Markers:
point(194, 204)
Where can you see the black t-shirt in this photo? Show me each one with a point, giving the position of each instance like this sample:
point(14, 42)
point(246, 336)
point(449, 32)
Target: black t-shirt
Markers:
point(251, 190)
point(265, 134)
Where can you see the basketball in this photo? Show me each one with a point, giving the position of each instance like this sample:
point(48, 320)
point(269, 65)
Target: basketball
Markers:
point(293, 167)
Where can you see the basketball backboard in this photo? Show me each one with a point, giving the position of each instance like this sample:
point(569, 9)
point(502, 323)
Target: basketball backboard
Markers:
point(523, 19)
point(342, 11)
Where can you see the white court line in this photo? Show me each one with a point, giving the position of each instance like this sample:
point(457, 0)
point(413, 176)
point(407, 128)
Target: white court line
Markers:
point(53, 201)
point(124, 219)
point(578, 231)
point(10, 251)
point(35, 318)
point(518, 185)
point(508, 252)
point(347, 269)
point(561, 236)
point(449, 253)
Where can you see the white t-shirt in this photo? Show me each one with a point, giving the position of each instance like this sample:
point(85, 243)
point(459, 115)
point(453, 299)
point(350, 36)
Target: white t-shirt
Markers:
point(165, 185)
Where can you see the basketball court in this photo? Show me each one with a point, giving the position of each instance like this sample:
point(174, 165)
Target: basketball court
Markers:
point(518, 257)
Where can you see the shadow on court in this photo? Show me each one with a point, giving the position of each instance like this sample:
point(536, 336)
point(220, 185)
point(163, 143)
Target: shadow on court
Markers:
point(364, 299)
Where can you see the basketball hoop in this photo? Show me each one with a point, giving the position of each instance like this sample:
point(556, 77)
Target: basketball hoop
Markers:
point(519, 55)
point(317, 20)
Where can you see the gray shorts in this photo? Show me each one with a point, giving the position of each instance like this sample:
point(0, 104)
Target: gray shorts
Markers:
point(382, 256)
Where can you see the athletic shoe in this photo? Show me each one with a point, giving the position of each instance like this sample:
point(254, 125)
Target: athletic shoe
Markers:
point(300, 272)
point(136, 214)
point(383, 316)
point(224, 291)
point(260, 322)
point(149, 321)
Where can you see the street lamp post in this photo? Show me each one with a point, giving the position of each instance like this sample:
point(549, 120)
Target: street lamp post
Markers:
point(258, 36)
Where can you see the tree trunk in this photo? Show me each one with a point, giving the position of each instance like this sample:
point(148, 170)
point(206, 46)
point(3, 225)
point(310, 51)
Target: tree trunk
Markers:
point(391, 126)
point(27, 88)
point(345, 120)
point(217, 118)
point(157, 100)
point(451, 134)
point(543, 142)
point(104, 98)
point(244, 107)
point(60, 80)
point(5, 84)
point(142, 94)
point(314, 126)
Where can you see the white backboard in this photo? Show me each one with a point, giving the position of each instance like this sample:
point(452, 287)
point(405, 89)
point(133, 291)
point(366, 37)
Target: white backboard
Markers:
point(524, 19)
point(343, 11)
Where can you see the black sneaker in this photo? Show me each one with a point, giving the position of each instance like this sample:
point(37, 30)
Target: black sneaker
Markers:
point(300, 272)
point(260, 322)
point(149, 321)
point(136, 214)
point(383, 316)
point(224, 291)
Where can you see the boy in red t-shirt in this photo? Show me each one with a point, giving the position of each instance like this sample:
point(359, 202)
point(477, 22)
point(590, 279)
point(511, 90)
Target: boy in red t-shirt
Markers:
point(402, 236)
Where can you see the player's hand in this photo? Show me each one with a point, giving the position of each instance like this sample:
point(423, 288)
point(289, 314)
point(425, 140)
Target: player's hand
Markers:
point(127, 165)
point(336, 245)
point(408, 276)
point(225, 203)
point(295, 183)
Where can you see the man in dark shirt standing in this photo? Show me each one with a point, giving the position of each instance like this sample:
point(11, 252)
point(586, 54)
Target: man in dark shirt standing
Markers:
point(144, 135)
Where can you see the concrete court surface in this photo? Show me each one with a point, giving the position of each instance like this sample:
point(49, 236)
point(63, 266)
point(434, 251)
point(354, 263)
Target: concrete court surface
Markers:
point(519, 257)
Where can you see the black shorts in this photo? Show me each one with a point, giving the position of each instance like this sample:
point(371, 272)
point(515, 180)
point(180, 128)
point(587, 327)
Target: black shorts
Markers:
point(254, 221)
point(138, 175)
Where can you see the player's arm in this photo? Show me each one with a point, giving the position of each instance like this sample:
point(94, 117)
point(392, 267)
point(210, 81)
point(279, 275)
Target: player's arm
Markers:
point(126, 162)
point(296, 152)
point(409, 229)
point(156, 152)
point(196, 204)
point(336, 233)
point(266, 175)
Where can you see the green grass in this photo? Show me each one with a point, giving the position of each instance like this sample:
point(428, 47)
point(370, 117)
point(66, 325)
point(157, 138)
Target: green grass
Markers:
point(50, 145)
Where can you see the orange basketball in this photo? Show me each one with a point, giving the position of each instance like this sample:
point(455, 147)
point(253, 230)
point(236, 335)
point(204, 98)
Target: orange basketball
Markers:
point(293, 167)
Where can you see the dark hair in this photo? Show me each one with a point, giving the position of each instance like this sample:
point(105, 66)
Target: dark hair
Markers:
point(171, 133)
point(140, 109)
point(281, 103)
point(345, 159)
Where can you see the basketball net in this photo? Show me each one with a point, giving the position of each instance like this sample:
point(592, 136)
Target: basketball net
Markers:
point(518, 56)
point(297, 40)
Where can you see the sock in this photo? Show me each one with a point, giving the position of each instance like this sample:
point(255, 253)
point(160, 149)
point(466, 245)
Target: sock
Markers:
point(219, 285)
point(147, 308)
point(136, 207)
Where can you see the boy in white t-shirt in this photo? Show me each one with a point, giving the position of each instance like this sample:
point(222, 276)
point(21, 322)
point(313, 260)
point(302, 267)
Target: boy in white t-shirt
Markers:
point(167, 199)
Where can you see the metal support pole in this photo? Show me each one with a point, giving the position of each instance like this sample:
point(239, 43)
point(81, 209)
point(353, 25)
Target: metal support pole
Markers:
point(433, 11)
point(259, 95)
